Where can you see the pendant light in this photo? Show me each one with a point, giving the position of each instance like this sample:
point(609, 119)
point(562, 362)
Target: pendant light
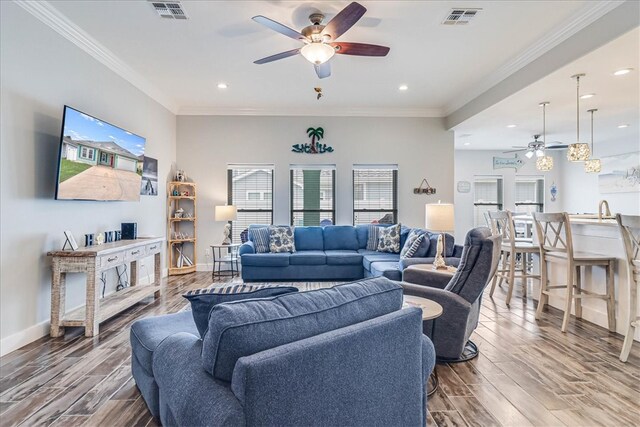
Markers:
point(592, 165)
point(544, 162)
point(578, 151)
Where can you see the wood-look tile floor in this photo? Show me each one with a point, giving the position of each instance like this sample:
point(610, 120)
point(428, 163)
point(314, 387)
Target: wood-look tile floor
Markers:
point(527, 373)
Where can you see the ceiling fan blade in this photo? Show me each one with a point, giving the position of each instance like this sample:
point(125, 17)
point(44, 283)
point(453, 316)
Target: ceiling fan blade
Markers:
point(361, 49)
point(556, 147)
point(515, 151)
point(277, 56)
point(323, 70)
point(278, 27)
point(520, 147)
point(344, 20)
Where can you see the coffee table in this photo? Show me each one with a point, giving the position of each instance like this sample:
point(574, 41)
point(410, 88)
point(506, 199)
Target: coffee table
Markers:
point(430, 310)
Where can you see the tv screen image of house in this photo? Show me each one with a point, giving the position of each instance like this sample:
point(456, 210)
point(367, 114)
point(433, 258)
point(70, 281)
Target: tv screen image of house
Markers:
point(98, 161)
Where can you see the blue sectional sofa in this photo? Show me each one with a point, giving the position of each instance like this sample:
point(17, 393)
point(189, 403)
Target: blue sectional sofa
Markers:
point(347, 355)
point(336, 252)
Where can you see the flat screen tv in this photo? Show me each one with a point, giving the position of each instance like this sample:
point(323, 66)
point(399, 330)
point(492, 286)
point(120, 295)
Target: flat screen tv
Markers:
point(97, 160)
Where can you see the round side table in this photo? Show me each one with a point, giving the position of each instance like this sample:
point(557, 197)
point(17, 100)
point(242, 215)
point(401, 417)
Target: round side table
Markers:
point(229, 256)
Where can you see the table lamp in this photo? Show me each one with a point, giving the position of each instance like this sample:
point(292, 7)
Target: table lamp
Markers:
point(439, 217)
point(226, 213)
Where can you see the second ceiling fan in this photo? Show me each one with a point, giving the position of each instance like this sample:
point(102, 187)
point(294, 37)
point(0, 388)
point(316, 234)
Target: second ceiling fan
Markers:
point(536, 147)
point(320, 40)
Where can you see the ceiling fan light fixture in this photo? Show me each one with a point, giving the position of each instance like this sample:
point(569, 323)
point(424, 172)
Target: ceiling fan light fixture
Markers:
point(539, 152)
point(317, 53)
point(544, 163)
point(529, 154)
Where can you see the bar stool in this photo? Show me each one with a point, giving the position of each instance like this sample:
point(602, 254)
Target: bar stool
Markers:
point(556, 246)
point(630, 230)
point(502, 224)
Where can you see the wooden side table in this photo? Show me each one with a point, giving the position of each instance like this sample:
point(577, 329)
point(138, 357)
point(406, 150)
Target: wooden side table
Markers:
point(430, 310)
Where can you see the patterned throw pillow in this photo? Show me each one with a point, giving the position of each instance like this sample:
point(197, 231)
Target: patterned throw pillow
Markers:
point(411, 246)
point(389, 239)
point(372, 241)
point(260, 238)
point(281, 239)
point(203, 300)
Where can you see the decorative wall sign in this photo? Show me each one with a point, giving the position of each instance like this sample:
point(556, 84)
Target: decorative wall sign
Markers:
point(316, 134)
point(464, 186)
point(507, 162)
point(427, 189)
point(554, 191)
point(620, 173)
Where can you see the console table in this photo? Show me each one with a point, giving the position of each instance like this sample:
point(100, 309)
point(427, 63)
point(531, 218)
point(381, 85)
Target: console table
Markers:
point(92, 261)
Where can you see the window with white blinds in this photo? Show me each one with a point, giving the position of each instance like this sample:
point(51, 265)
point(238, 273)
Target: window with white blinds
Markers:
point(250, 189)
point(529, 195)
point(312, 191)
point(375, 194)
point(488, 196)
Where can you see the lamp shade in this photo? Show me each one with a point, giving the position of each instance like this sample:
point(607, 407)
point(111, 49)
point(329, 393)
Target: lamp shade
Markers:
point(439, 217)
point(226, 213)
point(317, 53)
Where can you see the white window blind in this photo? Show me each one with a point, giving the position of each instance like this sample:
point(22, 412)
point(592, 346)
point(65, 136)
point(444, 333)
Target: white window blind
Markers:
point(250, 189)
point(375, 194)
point(488, 196)
point(312, 192)
point(529, 194)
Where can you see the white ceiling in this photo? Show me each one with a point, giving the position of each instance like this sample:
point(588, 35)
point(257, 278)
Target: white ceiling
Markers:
point(444, 66)
point(617, 100)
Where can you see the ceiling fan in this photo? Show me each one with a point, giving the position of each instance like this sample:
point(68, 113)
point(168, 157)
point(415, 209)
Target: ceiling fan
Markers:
point(320, 40)
point(537, 147)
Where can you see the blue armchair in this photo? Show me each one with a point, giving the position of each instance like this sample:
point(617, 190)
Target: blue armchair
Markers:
point(460, 296)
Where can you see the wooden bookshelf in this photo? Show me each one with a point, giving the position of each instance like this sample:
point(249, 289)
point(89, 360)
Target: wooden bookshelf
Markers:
point(185, 225)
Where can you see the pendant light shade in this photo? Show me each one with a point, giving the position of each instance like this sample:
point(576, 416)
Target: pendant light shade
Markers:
point(317, 53)
point(578, 151)
point(544, 163)
point(592, 165)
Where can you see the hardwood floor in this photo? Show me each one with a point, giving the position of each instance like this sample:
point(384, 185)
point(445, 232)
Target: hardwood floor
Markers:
point(528, 373)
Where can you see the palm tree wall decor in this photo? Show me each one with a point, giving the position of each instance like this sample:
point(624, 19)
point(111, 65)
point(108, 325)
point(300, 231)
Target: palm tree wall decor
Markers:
point(316, 134)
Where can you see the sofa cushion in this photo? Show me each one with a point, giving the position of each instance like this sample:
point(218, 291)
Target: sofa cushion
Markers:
point(307, 258)
point(390, 270)
point(412, 244)
point(341, 257)
point(203, 300)
point(146, 334)
point(424, 245)
point(281, 239)
point(242, 328)
point(260, 238)
point(340, 237)
point(389, 239)
point(449, 244)
point(404, 235)
point(367, 252)
point(362, 231)
point(266, 260)
point(309, 239)
point(378, 257)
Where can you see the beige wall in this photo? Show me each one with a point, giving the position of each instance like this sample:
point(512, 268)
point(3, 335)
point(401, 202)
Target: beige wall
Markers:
point(41, 72)
point(421, 147)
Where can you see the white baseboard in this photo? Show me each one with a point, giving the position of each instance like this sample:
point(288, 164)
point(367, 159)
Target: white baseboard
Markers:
point(39, 330)
point(24, 337)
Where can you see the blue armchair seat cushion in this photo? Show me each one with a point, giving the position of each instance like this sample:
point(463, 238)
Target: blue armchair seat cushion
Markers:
point(378, 257)
point(308, 258)
point(266, 259)
point(146, 334)
point(309, 238)
point(390, 270)
point(343, 257)
point(203, 300)
point(243, 328)
point(340, 237)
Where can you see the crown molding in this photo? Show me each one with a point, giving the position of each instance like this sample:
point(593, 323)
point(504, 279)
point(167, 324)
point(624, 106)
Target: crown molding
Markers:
point(306, 112)
point(54, 19)
point(591, 12)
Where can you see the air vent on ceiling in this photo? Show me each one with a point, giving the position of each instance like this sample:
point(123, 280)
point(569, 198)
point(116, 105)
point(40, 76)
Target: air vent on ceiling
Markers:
point(459, 16)
point(169, 10)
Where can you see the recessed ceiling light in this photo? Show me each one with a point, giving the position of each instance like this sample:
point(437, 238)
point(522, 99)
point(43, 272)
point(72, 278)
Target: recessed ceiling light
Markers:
point(403, 87)
point(222, 85)
point(467, 143)
point(622, 126)
point(587, 95)
point(511, 126)
point(623, 71)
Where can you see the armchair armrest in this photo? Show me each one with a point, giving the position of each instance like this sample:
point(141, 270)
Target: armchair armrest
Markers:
point(449, 301)
point(406, 262)
point(247, 248)
point(429, 278)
